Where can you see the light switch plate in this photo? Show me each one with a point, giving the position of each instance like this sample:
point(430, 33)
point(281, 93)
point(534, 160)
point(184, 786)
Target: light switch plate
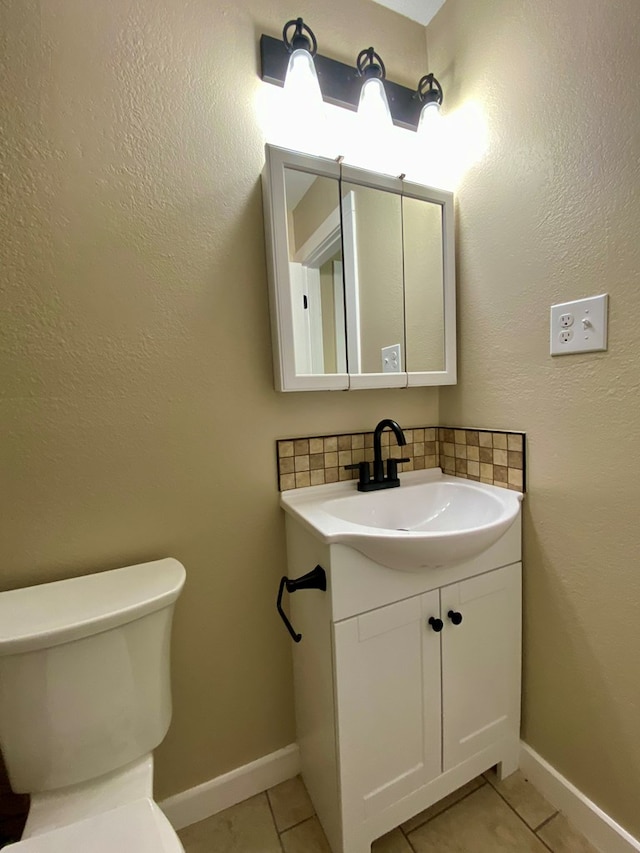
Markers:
point(579, 326)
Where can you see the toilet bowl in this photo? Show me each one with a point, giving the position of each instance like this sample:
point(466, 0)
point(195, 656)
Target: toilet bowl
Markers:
point(84, 700)
point(139, 826)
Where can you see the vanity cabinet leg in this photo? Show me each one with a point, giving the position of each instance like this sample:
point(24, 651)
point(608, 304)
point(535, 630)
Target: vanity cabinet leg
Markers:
point(356, 844)
point(361, 847)
point(510, 763)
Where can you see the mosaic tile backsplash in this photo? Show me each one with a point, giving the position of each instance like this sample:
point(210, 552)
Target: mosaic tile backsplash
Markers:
point(488, 456)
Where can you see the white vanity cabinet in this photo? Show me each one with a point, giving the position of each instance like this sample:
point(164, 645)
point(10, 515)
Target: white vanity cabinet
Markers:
point(388, 703)
point(391, 714)
point(481, 663)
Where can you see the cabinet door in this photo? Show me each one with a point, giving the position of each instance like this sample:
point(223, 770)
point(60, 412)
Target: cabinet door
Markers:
point(481, 663)
point(387, 665)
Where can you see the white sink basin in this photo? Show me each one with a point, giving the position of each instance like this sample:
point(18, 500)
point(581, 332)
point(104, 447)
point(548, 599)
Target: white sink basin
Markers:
point(431, 520)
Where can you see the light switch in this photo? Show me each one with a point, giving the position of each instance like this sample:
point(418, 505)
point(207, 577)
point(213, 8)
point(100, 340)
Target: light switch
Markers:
point(579, 326)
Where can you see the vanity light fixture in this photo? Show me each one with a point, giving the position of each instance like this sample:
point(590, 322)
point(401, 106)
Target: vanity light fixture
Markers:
point(430, 95)
point(341, 84)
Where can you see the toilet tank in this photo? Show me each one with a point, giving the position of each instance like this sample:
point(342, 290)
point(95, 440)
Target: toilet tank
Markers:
point(84, 673)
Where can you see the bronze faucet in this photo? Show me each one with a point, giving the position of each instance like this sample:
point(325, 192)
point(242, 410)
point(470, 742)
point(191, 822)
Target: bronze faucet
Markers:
point(379, 481)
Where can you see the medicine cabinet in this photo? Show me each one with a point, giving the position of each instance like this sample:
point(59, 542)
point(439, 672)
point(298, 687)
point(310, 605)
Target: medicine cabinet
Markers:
point(361, 277)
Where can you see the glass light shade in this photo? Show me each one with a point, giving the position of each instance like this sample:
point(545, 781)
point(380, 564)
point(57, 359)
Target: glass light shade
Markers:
point(429, 118)
point(302, 123)
point(301, 82)
point(374, 106)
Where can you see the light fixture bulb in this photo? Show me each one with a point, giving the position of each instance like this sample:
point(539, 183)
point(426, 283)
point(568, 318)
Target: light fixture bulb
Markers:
point(374, 106)
point(303, 117)
point(429, 118)
point(301, 81)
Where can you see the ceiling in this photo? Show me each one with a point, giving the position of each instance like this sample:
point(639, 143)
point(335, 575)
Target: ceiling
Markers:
point(418, 10)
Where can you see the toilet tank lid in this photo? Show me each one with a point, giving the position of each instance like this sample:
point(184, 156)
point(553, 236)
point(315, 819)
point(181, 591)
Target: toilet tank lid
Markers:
point(50, 614)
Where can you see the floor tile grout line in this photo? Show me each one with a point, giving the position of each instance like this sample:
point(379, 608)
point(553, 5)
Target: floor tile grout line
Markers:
point(408, 840)
point(299, 823)
point(429, 819)
point(518, 815)
point(546, 821)
point(273, 818)
point(544, 843)
point(411, 847)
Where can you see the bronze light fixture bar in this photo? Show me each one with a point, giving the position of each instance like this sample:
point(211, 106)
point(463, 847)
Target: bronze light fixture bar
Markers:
point(340, 84)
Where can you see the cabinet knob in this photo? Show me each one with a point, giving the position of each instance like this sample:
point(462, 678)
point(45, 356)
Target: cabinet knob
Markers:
point(455, 617)
point(436, 624)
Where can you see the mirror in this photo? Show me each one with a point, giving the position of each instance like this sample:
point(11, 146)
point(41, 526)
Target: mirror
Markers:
point(361, 277)
point(423, 284)
point(315, 269)
point(373, 271)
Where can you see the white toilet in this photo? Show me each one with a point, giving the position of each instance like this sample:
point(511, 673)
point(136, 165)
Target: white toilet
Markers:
point(84, 699)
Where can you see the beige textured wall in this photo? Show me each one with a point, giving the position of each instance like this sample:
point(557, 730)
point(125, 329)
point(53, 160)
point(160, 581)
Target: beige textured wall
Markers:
point(138, 412)
point(551, 215)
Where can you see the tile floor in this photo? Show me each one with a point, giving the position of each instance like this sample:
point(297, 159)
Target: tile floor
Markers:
point(485, 816)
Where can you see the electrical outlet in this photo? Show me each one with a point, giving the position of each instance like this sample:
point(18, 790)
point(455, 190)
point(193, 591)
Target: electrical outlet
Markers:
point(391, 359)
point(579, 326)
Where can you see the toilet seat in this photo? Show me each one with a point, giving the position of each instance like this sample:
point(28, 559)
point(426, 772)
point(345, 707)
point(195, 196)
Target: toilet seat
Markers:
point(137, 827)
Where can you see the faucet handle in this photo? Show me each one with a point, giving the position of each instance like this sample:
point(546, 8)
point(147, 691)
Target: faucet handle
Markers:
point(363, 469)
point(392, 467)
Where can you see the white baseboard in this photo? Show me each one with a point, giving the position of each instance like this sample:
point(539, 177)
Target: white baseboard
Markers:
point(224, 791)
point(601, 830)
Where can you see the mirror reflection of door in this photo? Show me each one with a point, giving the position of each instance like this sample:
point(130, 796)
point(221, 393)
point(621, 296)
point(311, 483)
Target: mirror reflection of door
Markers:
point(373, 258)
point(315, 264)
point(424, 291)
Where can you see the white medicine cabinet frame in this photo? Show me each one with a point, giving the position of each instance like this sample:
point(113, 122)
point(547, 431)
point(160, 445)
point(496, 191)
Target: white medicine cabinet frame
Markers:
point(362, 273)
